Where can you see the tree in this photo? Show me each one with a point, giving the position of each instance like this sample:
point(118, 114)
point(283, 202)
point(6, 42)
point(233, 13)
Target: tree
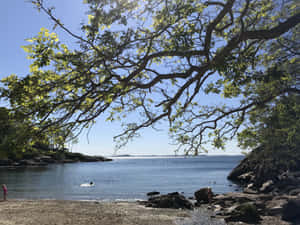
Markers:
point(19, 136)
point(13, 137)
point(275, 125)
point(159, 59)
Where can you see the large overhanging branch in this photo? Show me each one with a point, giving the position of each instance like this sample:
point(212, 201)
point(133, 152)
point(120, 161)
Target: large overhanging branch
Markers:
point(116, 69)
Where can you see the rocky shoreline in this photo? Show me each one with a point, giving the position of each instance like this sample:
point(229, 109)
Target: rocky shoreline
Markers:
point(270, 196)
point(51, 158)
point(235, 208)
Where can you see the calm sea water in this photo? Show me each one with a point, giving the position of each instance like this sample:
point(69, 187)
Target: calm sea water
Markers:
point(121, 179)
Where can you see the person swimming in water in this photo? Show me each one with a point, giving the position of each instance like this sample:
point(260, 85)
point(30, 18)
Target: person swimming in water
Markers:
point(88, 184)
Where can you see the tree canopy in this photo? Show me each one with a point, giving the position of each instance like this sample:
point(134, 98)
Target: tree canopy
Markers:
point(19, 136)
point(160, 59)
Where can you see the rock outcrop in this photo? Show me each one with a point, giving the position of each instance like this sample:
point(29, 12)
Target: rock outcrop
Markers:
point(171, 200)
point(252, 208)
point(245, 212)
point(291, 211)
point(152, 193)
point(203, 195)
point(261, 173)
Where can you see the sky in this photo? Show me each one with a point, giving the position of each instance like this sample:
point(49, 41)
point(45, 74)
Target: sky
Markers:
point(19, 20)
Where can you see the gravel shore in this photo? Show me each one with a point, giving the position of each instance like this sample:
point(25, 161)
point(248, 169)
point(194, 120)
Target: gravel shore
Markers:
point(56, 212)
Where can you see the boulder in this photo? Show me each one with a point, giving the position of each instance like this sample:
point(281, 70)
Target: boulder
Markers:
point(171, 200)
point(249, 191)
point(204, 195)
point(5, 162)
point(291, 210)
point(275, 207)
point(153, 193)
point(47, 159)
point(246, 177)
point(29, 162)
point(245, 213)
point(295, 192)
point(242, 168)
point(239, 197)
point(295, 173)
point(289, 182)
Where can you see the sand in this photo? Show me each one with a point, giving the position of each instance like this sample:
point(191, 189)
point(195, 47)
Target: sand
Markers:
point(56, 212)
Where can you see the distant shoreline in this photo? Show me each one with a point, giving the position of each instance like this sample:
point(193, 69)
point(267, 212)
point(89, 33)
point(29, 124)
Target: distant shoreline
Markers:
point(170, 156)
point(47, 158)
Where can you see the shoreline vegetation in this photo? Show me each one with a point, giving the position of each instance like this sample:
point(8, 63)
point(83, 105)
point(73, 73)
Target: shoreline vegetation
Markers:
point(51, 157)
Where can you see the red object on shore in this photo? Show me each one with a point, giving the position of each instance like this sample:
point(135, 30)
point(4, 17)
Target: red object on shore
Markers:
point(4, 191)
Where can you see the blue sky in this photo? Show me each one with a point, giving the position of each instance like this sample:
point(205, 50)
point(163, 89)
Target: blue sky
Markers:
point(19, 21)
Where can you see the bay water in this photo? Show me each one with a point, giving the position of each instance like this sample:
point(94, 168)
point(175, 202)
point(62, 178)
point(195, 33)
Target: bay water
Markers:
point(124, 178)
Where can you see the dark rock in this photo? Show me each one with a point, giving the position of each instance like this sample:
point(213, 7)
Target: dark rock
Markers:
point(260, 168)
point(246, 213)
point(29, 162)
point(295, 174)
point(5, 162)
point(288, 182)
point(287, 189)
point(153, 193)
point(84, 158)
point(239, 170)
point(47, 159)
point(249, 191)
point(172, 200)
point(291, 210)
point(275, 206)
point(295, 192)
point(246, 177)
point(37, 159)
point(204, 195)
point(229, 198)
point(16, 164)
point(69, 161)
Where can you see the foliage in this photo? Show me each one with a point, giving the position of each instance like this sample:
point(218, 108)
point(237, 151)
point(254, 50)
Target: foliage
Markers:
point(20, 138)
point(276, 124)
point(13, 137)
point(160, 59)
